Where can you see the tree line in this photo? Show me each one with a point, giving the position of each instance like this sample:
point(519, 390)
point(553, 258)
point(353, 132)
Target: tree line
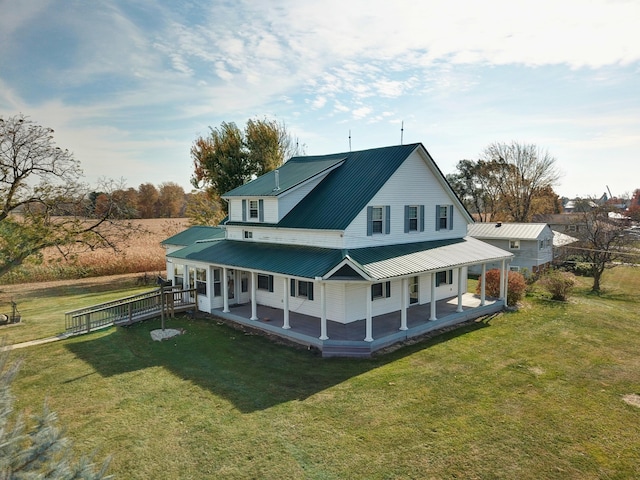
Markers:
point(168, 200)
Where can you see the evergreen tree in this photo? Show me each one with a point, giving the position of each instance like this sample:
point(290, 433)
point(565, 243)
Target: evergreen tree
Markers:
point(37, 451)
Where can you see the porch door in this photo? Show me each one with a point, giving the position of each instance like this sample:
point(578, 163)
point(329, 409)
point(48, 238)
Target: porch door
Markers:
point(232, 287)
point(414, 288)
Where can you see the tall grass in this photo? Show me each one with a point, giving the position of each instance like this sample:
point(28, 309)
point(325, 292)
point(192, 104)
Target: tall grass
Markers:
point(141, 253)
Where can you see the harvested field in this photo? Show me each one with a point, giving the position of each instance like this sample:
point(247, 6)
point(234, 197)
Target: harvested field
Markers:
point(142, 253)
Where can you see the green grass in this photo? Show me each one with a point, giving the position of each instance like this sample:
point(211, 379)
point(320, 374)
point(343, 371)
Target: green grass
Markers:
point(42, 309)
point(528, 395)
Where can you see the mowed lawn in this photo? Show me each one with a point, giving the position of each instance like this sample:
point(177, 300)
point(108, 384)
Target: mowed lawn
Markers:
point(537, 393)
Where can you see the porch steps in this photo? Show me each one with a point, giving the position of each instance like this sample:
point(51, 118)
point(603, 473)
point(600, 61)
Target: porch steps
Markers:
point(346, 349)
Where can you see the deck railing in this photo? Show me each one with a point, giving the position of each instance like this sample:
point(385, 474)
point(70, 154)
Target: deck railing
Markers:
point(130, 309)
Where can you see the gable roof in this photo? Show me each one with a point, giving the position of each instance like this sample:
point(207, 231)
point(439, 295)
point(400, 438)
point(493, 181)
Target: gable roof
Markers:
point(338, 199)
point(376, 262)
point(521, 231)
point(194, 234)
point(294, 172)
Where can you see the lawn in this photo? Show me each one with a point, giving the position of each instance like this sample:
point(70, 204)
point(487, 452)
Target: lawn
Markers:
point(537, 393)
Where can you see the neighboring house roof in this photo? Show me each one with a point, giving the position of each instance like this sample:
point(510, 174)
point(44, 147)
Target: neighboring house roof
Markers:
point(521, 231)
point(561, 239)
point(343, 193)
point(311, 262)
point(559, 218)
point(194, 234)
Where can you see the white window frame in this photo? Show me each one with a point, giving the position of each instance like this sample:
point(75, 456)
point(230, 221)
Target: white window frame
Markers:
point(254, 210)
point(443, 217)
point(248, 234)
point(413, 215)
point(514, 244)
point(201, 281)
point(448, 277)
point(377, 221)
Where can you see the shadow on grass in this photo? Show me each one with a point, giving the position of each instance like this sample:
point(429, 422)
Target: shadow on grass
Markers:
point(250, 371)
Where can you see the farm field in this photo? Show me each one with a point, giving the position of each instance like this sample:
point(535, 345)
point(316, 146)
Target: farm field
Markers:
point(142, 253)
point(549, 391)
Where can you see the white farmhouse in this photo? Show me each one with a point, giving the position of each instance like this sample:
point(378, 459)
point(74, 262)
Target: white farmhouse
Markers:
point(347, 253)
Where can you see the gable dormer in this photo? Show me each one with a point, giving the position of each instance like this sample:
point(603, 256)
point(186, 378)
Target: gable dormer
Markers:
point(270, 197)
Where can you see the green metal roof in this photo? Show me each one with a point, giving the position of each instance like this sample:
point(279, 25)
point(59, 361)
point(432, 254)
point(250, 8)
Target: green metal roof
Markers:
point(338, 199)
point(290, 174)
point(310, 262)
point(193, 234)
point(299, 261)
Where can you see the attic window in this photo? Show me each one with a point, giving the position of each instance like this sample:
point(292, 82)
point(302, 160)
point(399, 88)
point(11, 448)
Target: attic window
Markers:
point(514, 244)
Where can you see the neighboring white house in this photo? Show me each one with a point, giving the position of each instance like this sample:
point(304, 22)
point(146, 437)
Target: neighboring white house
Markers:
point(530, 243)
point(356, 250)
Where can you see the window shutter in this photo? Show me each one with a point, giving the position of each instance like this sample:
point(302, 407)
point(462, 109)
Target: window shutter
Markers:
point(387, 220)
point(387, 288)
point(271, 283)
point(310, 290)
point(369, 221)
point(261, 210)
point(422, 218)
point(244, 210)
point(450, 217)
point(406, 219)
point(293, 287)
point(437, 217)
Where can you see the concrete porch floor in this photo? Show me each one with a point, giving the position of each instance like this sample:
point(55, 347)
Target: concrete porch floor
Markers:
point(348, 339)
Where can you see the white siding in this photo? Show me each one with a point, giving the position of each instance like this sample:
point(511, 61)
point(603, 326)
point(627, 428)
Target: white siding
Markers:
point(319, 238)
point(414, 183)
point(291, 198)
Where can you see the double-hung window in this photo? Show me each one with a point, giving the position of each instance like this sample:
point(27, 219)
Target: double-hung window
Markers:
point(201, 281)
point(380, 290)
point(444, 217)
point(178, 275)
point(265, 282)
point(217, 287)
point(413, 218)
point(378, 220)
point(302, 288)
point(514, 244)
point(253, 210)
point(444, 277)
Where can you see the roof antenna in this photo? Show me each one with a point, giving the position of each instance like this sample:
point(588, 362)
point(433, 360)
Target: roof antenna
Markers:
point(349, 139)
point(402, 132)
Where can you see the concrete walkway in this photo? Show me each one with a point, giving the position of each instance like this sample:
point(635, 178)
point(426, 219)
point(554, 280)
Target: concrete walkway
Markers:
point(32, 343)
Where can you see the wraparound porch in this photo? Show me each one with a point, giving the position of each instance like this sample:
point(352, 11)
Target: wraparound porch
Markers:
point(347, 340)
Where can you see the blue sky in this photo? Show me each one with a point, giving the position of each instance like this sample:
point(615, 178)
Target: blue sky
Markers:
point(129, 85)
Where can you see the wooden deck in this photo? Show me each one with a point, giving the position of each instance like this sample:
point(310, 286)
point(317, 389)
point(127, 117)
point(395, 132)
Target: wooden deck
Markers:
point(348, 339)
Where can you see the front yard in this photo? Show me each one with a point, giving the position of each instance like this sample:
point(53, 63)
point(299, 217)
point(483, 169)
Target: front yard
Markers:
point(539, 393)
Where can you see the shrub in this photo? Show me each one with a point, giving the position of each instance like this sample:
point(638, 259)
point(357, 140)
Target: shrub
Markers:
point(558, 284)
point(515, 290)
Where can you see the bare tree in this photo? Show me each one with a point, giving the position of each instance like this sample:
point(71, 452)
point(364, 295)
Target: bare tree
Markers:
point(602, 243)
point(526, 171)
point(42, 202)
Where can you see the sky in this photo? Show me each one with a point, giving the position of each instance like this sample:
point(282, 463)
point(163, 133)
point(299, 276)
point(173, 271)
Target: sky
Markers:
point(128, 85)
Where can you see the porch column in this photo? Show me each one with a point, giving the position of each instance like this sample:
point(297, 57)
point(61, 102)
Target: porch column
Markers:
point(502, 279)
point(483, 285)
point(433, 297)
point(323, 312)
point(254, 304)
point(369, 322)
point(285, 306)
point(225, 290)
point(403, 304)
point(460, 290)
point(506, 284)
